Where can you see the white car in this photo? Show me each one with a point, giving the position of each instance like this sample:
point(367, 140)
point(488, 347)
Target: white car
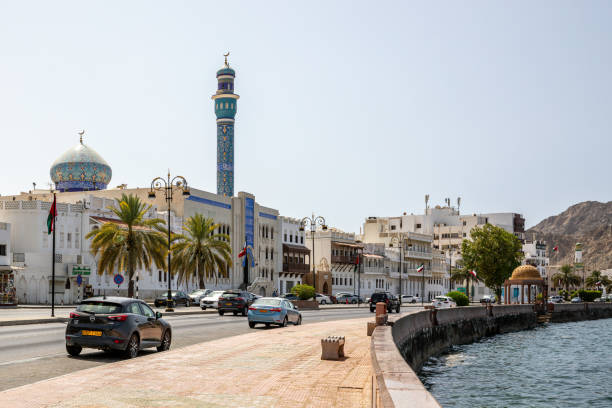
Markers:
point(198, 295)
point(443, 302)
point(212, 300)
point(410, 299)
point(322, 299)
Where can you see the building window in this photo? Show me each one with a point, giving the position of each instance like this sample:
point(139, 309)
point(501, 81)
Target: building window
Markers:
point(271, 253)
point(392, 227)
point(290, 238)
point(302, 240)
point(61, 243)
point(272, 233)
point(159, 276)
point(285, 237)
point(2, 250)
point(77, 240)
point(69, 240)
point(418, 225)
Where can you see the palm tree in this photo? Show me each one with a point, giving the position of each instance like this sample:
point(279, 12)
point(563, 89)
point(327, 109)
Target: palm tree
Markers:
point(566, 278)
point(131, 242)
point(595, 277)
point(461, 275)
point(200, 251)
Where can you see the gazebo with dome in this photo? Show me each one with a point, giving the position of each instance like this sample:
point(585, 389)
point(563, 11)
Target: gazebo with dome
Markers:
point(523, 276)
point(80, 169)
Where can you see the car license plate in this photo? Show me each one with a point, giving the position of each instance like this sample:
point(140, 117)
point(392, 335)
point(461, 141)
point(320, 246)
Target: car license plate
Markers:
point(263, 310)
point(91, 333)
point(228, 304)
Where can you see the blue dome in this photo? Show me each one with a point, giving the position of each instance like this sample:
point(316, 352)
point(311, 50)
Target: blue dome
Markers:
point(226, 71)
point(80, 169)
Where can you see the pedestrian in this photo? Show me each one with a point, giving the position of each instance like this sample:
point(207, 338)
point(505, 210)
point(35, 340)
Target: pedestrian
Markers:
point(275, 293)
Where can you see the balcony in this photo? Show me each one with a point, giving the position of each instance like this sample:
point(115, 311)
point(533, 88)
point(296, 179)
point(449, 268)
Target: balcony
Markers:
point(345, 259)
point(296, 268)
point(418, 254)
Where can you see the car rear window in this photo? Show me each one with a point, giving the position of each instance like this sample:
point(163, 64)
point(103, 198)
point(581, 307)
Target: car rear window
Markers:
point(230, 295)
point(377, 296)
point(267, 302)
point(99, 307)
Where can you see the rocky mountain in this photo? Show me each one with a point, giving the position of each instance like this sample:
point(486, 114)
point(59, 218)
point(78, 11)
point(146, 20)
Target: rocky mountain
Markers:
point(589, 223)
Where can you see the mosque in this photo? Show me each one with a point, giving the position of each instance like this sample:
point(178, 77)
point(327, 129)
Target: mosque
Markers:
point(82, 178)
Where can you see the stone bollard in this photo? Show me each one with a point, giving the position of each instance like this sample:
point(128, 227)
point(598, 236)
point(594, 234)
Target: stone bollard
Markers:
point(332, 348)
point(371, 327)
point(381, 314)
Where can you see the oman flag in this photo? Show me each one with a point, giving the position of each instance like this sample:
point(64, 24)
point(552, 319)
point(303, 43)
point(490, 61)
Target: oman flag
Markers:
point(556, 249)
point(51, 217)
point(421, 268)
point(473, 273)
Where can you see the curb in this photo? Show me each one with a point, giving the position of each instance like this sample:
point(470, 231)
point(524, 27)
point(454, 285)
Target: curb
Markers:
point(34, 321)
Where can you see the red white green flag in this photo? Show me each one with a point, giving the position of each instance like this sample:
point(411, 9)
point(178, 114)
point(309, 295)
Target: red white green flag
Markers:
point(473, 273)
point(421, 268)
point(51, 217)
point(556, 249)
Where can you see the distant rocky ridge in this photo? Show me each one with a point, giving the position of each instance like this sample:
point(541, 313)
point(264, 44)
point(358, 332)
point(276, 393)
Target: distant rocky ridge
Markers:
point(589, 223)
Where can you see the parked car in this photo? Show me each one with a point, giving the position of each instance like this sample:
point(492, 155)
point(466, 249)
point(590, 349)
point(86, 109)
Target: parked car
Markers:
point(235, 301)
point(599, 300)
point(198, 294)
point(268, 310)
point(254, 296)
point(410, 299)
point(388, 298)
point(178, 297)
point(322, 299)
point(116, 323)
point(443, 302)
point(488, 299)
point(347, 298)
point(290, 296)
point(211, 301)
point(555, 299)
point(576, 300)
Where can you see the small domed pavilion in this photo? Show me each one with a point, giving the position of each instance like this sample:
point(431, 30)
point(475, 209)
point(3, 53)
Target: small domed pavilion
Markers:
point(524, 275)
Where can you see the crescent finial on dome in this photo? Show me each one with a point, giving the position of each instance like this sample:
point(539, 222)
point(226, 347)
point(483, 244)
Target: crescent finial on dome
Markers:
point(81, 133)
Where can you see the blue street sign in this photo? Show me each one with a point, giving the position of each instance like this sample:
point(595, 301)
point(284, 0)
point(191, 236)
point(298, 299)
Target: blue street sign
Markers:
point(118, 279)
point(79, 280)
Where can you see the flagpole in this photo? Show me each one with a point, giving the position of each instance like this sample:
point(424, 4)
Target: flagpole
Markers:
point(53, 262)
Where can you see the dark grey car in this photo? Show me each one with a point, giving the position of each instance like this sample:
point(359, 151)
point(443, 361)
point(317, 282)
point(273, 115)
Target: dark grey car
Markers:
point(116, 323)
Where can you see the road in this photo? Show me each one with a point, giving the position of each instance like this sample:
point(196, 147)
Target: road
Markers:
point(35, 352)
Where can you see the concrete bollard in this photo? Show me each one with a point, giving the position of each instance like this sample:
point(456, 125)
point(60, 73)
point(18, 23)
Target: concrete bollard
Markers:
point(332, 348)
point(371, 327)
point(381, 314)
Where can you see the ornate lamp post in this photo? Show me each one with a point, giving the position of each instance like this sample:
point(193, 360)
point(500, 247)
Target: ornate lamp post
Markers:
point(312, 223)
point(400, 243)
point(167, 187)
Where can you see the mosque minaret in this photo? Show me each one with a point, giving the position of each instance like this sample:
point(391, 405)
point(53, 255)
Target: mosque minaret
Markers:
point(225, 110)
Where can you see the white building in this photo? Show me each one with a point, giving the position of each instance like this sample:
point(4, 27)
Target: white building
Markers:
point(536, 255)
point(7, 276)
point(296, 255)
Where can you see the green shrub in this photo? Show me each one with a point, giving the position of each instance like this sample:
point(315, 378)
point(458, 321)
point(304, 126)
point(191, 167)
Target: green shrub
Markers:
point(304, 292)
point(460, 298)
point(588, 295)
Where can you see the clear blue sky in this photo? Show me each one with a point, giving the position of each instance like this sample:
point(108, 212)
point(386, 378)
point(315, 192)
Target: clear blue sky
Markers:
point(349, 109)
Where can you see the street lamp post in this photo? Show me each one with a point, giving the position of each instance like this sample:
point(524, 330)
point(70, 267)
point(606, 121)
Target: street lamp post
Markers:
point(167, 187)
point(312, 222)
point(399, 242)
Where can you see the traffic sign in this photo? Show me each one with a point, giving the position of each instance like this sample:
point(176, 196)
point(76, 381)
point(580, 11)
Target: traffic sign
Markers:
point(118, 279)
point(79, 280)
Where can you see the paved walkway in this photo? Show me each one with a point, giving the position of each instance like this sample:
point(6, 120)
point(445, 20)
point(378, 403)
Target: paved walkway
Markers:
point(278, 367)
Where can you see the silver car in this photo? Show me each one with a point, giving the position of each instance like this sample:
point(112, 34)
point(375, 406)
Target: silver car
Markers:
point(198, 295)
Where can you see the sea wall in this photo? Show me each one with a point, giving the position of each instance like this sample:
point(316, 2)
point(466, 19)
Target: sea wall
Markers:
point(400, 349)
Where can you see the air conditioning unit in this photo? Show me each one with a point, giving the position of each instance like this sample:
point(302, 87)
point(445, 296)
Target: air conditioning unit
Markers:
point(87, 203)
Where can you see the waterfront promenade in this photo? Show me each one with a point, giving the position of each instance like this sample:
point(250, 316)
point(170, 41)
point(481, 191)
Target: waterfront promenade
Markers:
point(265, 368)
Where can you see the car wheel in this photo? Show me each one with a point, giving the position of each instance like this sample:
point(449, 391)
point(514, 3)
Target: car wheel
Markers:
point(284, 324)
point(221, 313)
point(203, 308)
point(267, 325)
point(166, 340)
point(252, 325)
point(133, 346)
point(186, 303)
point(389, 310)
point(74, 350)
point(299, 321)
point(371, 310)
point(323, 302)
point(397, 310)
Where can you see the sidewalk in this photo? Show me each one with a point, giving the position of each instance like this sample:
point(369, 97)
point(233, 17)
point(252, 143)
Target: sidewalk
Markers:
point(278, 367)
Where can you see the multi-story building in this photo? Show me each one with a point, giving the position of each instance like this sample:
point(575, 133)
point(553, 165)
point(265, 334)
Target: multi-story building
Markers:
point(296, 255)
point(536, 255)
point(334, 257)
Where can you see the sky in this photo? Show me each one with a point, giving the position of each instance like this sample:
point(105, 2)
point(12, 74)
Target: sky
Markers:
point(347, 109)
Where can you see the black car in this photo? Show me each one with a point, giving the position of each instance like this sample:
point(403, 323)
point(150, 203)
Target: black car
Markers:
point(178, 297)
point(290, 296)
point(116, 323)
point(388, 298)
point(235, 301)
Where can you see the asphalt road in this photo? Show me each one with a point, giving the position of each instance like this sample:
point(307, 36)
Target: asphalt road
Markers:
point(35, 352)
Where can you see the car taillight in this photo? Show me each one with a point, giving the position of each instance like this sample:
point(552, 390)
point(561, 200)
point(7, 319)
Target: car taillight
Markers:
point(252, 308)
point(387, 301)
point(239, 298)
point(74, 315)
point(118, 318)
point(275, 310)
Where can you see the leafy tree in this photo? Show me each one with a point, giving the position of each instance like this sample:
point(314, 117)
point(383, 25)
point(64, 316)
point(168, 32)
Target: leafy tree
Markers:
point(460, 298)
point(597, 276)
point(199, 251)
point(304, 292)
point(493, 253)
point(461, 275)
point(566, 278)
point(130, 243)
